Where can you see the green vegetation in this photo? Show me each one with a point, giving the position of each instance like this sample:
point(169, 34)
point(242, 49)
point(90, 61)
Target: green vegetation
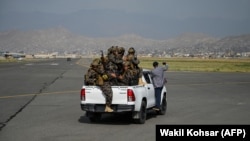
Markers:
point(7, 60)
point(204, 65)
point(13, 60)
point(188, 64)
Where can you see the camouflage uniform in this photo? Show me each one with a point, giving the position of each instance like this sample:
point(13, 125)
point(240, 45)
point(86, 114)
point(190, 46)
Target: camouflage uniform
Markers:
point(137, 71)
point(90, 77)
point(114, 57)
point(132, 57)
point(114, 64)
point(107, 91)
point(121, 52)
point(96, 75)
point(127, 76)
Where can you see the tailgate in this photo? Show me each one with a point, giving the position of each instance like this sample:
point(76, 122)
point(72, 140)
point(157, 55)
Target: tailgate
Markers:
point(94, 95)
point(119, 95)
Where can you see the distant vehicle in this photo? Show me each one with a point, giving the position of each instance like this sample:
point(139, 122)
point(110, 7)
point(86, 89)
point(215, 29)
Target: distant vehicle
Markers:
point(14, 55)
point(135, 100)
point(68, 59)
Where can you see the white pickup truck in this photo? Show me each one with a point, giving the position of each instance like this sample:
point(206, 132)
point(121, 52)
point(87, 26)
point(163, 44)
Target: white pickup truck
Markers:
point(133, 99)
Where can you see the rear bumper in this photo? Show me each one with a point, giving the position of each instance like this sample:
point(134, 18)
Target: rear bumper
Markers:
point(101, 107)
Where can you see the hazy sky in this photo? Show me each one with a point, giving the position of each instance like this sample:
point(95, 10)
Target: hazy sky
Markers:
point(228, 10)
point(166, 8)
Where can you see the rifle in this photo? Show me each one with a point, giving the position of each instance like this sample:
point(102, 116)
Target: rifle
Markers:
point(103, 60)
point(102, 57)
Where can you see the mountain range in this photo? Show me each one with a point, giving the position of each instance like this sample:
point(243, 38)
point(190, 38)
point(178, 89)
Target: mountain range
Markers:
point(112, 23)
point(62, 40)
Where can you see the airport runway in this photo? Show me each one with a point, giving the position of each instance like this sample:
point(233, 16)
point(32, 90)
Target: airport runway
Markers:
point(40, 101)
point(21, 82)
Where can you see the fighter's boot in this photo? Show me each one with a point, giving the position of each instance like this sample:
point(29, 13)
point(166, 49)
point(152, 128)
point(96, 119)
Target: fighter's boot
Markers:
point(108, 109)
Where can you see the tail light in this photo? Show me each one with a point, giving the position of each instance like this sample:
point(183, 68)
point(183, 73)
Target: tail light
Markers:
point(83, 94)
point(130, 95)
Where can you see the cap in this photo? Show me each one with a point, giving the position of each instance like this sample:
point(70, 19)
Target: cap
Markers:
point(131, 50)
point(96, 62)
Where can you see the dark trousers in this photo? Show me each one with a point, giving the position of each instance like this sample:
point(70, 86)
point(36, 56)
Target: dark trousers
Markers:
point(158, 96)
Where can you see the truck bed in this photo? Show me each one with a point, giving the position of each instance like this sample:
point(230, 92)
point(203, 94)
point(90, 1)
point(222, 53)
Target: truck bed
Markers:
point(93, 94)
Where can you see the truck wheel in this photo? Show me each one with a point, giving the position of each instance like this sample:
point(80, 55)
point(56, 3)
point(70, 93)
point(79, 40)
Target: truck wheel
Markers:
point(163, 108)
point(94, 117)
point(142, 114)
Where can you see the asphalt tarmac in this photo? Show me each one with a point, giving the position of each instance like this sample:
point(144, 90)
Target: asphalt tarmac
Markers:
point(41, 101)
point(21, 82)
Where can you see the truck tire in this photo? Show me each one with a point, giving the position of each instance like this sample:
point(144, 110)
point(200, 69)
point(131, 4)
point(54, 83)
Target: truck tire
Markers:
point(142, 113)
point(163, 108)
point(94, 117)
